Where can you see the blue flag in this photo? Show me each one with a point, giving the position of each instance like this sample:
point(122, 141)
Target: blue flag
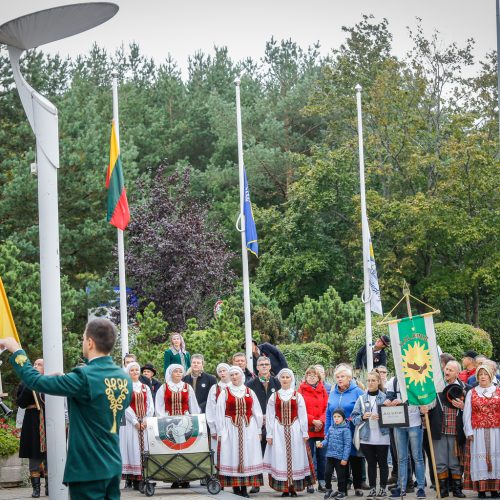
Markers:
point(250, 229)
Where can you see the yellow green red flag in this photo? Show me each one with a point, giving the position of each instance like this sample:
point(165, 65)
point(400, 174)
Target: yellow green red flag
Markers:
point(118, 211)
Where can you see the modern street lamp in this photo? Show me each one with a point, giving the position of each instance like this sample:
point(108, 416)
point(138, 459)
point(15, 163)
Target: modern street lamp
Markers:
point(21, 34)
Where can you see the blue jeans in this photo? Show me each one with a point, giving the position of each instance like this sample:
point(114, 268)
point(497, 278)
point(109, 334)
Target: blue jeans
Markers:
point(414, 437)
point(318, 456)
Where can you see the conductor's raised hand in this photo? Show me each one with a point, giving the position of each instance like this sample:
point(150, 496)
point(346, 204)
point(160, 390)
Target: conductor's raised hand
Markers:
point(10, 343)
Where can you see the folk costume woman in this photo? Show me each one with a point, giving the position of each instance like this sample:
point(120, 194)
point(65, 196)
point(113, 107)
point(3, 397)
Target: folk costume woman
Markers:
point(238, 424)
point(176, 353)
point(32, 443)
point(175, 397)
point(482, 429)
point(211, 408)
point(286, 459)
point(133, 441)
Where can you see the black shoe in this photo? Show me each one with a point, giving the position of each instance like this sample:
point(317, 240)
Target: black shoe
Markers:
point(293, 493)
point(443, 487)
point(135, 485)
point(457, 489)
point(185, 484)
point(481, 494)
point(175, 486)
point(321, 487)
point(128, 484)
point(310, 489)
point(358, 493)
point(244, 492)
point(35, 484)
point(285, 494)
point(254, 489)
point(237, 490)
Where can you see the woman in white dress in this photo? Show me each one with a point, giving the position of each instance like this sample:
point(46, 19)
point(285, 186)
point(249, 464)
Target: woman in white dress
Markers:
point(211, 408)
point(238, 424)
point(175, 397)
point(286, 459)
point(133, 442)
point(482, 429)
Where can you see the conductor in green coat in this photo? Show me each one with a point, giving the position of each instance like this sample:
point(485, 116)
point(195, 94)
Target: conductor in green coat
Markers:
point(98, 394)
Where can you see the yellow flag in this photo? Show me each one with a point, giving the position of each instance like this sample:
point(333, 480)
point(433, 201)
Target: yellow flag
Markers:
point(7, 325)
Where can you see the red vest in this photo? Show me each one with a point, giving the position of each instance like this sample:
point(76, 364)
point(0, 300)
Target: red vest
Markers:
point(139, 402)
point(239, 408)
point(177, 403)
point(286, 411)
point(485, 411)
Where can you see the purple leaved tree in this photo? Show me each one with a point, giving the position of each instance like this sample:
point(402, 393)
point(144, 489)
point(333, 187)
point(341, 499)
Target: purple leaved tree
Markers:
point(174, 258)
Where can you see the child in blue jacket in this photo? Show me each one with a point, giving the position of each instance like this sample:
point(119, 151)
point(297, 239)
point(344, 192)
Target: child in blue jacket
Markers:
point(338, 443)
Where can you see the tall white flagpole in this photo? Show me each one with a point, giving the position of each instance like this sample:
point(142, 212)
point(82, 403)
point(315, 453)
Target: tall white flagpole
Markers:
point(121, 246)
point(366, 239)
point(244, 251)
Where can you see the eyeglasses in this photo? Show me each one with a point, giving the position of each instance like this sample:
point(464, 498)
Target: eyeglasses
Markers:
point(264, 364)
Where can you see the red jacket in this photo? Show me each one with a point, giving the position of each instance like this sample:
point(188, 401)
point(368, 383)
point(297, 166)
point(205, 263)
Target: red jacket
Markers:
point(465, 374)
point(316, 400)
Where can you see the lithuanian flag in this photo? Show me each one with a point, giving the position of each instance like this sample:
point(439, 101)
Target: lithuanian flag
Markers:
point(118, 212)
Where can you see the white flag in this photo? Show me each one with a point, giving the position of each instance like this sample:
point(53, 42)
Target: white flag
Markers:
point(375, 298)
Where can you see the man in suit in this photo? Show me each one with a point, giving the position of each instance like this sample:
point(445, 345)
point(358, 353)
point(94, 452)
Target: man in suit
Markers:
point(98, 394)
point(264, 386)
point(200, 381)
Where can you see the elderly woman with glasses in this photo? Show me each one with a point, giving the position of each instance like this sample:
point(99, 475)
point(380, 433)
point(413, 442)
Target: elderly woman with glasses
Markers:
point(344, 395)
point(239, 422)
point(316, 398)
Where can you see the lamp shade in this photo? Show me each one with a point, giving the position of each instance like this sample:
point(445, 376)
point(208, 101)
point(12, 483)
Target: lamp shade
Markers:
point(45, 26)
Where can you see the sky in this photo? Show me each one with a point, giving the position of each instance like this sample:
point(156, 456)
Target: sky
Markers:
point(182, 27)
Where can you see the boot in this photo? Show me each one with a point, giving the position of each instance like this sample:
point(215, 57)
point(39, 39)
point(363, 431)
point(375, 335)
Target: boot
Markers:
point(35, 483)
point(457, 486)
point(443, 488)
point(443, 484)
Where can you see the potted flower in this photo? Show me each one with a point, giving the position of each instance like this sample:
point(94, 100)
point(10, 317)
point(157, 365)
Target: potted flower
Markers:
point(11, 466)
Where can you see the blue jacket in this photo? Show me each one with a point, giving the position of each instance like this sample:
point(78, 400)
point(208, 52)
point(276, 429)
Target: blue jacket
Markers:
point(345, 400)
point(338, 441)
point(357, 415)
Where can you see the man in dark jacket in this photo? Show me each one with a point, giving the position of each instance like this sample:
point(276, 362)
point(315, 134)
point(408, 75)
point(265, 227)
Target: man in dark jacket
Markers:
point(447, 429)
point(270, 351)
point(148, 373)
point(379, 354)
point(200, 381)
point(264, 386)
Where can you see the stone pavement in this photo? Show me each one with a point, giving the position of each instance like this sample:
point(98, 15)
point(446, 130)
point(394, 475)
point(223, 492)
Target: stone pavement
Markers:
point(197, 492)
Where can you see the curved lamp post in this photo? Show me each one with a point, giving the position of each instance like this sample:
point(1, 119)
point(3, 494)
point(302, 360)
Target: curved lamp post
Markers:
point(21, 34)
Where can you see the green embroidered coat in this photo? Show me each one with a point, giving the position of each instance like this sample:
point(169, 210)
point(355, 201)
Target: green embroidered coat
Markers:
point(98, 395)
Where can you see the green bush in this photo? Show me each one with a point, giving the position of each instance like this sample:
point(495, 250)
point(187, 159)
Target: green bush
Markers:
point(9, 438)
point(300, 356)
point(453, 338)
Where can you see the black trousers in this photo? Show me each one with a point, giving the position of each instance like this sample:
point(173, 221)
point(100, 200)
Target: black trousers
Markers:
point(376, 454)
point(356, 466)
point(342, 472)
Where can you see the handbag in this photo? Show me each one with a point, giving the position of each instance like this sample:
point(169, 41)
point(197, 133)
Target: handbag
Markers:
point(356, 439)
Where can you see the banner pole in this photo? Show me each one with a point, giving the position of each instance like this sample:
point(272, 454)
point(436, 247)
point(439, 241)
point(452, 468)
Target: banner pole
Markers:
point(433, 459)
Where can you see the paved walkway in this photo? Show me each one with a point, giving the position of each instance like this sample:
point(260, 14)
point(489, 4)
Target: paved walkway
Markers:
point(198, 492)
